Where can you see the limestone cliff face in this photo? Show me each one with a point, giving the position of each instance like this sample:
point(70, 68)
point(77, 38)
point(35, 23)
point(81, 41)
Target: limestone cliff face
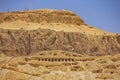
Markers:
point(24, 42)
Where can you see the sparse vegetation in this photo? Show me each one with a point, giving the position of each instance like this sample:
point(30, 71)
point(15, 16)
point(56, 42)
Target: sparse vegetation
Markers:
point(86, 24)
point(90, 27)
point(104, 33)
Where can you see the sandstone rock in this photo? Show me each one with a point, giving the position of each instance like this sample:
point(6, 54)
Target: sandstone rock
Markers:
point(24, 42)
point(38, 16)
point(60, 47)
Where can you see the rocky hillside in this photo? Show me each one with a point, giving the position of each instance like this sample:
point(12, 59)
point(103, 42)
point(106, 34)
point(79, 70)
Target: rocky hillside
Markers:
point(65, 31)
point(59, 65)
point(24, 42)
point(56, 45)
point(38, 16)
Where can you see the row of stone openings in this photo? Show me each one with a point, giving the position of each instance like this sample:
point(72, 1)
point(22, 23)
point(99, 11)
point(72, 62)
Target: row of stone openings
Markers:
point(56, 59)
point(87, 59)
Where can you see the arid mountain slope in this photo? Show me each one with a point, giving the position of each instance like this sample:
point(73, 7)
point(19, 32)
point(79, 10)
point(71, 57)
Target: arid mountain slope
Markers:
point(56, 45)
point(38, 16)
point(27, 32)
point(58, 20)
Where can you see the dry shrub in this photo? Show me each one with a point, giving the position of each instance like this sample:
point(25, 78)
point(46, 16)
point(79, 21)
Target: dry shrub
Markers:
point(90, 27)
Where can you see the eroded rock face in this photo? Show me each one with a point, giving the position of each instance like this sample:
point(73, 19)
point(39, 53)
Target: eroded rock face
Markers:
point(57, 65)
point(24, 42)
point(38, 50)
point(38, 16)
